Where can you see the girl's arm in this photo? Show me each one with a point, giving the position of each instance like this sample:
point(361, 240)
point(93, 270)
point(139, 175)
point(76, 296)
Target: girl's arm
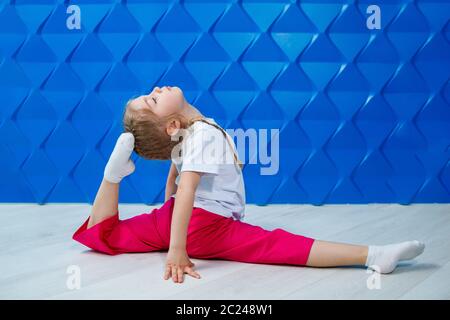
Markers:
point(171, 186)
point(182, 210)
point(178, 261)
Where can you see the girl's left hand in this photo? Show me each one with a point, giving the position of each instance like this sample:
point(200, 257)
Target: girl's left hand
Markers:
point(177, 264)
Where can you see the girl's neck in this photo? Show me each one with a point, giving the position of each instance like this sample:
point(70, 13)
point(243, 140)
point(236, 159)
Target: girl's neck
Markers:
point(190, 112)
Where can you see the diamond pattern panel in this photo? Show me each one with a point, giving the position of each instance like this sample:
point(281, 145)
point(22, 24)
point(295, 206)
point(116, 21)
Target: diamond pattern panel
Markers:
point(363, 115)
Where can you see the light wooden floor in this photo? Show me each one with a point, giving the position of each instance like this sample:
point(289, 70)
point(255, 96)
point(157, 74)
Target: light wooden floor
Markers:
point(37, 250)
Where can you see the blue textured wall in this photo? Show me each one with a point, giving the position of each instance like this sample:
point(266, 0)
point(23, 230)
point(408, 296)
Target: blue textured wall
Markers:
point(364, 114)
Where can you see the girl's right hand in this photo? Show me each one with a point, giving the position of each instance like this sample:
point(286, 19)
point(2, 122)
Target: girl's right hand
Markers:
point(119, 164)
point(177, 264)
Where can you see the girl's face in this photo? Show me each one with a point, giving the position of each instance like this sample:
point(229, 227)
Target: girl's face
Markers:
point(163, 101)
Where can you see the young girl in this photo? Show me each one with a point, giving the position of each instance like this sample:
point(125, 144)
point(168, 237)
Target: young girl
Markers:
point(204, 200)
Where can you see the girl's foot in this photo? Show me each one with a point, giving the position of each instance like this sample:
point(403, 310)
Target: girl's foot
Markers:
point(385, 258)
point(119, 164)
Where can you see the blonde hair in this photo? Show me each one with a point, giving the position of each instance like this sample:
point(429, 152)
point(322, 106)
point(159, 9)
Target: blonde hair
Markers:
point(151, 141)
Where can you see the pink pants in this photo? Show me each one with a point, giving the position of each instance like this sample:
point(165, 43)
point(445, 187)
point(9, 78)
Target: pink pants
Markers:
point(210, 236)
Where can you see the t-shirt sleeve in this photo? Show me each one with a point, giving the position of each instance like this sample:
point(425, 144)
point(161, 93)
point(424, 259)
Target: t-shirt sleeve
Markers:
point(203, 151)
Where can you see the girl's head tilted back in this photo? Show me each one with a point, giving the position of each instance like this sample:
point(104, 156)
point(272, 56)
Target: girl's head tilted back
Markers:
point(154, 118)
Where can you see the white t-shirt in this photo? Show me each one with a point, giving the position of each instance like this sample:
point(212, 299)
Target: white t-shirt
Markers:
point(221, 188)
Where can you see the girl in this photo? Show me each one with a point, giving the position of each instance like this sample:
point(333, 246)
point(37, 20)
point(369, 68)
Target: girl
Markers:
point(204, 200)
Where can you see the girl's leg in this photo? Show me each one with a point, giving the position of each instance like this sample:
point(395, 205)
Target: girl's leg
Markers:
point(103, 231)
point(145, 232)
point(383, 259)
point(119, 166)
point(212, 236)
point(225, 238)
point(106, 203)
point(331, 254)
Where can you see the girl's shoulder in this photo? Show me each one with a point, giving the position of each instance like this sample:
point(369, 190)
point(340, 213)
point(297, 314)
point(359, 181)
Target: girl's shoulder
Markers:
point(204, 127)
point(205, 123)
point(205, 134)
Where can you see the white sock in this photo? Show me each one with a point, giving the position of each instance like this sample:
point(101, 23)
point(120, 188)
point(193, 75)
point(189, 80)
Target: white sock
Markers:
point(119, 164)
point(385, 258)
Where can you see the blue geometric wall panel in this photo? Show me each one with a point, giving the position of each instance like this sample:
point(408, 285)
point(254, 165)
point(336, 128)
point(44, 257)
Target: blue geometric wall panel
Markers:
point(363, 114)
